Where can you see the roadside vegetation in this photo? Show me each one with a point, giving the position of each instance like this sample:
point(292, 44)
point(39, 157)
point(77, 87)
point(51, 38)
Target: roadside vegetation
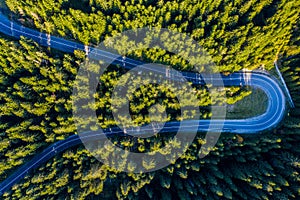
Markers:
point(36, 86)
point(254, 104)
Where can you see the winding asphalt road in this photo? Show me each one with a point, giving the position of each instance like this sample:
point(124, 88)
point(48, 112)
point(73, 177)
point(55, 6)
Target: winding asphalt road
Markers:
point(274, 114)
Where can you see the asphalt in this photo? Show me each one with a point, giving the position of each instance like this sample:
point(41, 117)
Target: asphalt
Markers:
point(271, 118)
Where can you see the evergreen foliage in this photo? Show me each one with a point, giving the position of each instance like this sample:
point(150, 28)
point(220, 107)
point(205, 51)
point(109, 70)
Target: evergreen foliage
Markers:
point(36, 110)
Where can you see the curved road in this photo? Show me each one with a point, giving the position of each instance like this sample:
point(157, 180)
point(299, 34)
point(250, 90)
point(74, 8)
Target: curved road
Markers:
point(273, 115)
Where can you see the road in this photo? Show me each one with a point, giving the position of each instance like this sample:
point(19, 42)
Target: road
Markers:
point(274, 114)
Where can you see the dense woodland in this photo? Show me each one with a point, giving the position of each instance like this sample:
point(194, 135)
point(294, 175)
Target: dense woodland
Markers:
point(36, 109)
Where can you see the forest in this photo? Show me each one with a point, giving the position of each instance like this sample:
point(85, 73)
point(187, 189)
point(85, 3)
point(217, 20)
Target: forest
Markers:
point(36, 99)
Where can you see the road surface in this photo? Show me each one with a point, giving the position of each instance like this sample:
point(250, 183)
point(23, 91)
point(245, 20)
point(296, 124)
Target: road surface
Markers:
point(274, 114)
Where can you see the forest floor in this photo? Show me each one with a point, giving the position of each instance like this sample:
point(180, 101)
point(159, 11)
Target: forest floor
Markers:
point(253, 105)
